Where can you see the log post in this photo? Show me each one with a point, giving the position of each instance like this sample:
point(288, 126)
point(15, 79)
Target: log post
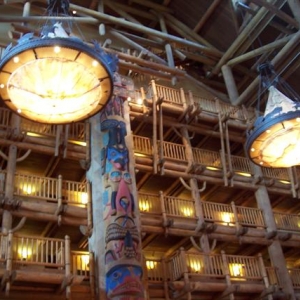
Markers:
point(275, 250)
point(154, 133)
point(92, 275)
point(59, 197)
point(264, 273)
point(227, 273)
point(89, 209)
point(68, 265)
point(163, 209)
point(9, 262)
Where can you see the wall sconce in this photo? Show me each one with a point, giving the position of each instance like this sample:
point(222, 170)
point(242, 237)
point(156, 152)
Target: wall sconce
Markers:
point(150, 264)
point(144, 205)
point(24, 253)
point(236, 270)
point(187, 211)
point(227, 218)
point(275, 139)
point(56, 78)
point(195, 266)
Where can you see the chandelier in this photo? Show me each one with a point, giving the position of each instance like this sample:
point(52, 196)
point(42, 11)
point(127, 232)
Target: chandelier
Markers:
point(274, 141)
point(56, 78)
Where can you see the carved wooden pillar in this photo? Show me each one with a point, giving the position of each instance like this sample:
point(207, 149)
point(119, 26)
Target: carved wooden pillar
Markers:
point(116, 239)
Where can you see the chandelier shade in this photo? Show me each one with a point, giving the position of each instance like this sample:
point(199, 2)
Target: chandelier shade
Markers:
point(56, 80)
point(274, 140)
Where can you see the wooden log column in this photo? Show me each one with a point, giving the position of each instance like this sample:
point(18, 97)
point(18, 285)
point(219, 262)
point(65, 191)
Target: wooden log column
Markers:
point(115, 241)
point(274, 249)
point(10, 173)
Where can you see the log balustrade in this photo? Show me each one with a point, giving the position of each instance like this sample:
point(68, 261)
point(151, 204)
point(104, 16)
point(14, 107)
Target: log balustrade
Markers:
point(31, 259)
point(218, 213)
point(50, 189)
point(188, 266)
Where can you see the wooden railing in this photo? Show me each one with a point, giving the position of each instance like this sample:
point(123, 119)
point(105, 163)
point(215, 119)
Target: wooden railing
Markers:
point(247, 267)
point(276, 173)
point(35, 251)
point(286, 221)
point(207, 105)
point(224, 214)
point(155, 270)
point(28, 250)
point(5, 115)
point(142, 145)
point(47, 188)
point(249, 216)
point(179, 207)
point(74, 192)
point(149, 203)
point(241, 165)
point(218, 266)
point(295, 276)
point(218, 212)
point(81, 263)
point(174, 151)
point(169, 95)
point(207, 158)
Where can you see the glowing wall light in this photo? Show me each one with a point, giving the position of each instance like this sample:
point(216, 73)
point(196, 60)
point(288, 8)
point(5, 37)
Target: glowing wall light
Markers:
point(150, 264)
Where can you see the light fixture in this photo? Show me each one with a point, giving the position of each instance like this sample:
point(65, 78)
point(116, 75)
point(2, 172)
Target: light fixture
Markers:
point(274, 140)
point(56, 78)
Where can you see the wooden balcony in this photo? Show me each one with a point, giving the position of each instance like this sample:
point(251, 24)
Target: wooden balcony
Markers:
point(50, 199)
point(45, 264)
point(197, 273)
point(217, 219)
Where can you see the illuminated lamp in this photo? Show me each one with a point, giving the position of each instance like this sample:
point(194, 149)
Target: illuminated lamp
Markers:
point(56, 78)
point(274, 141)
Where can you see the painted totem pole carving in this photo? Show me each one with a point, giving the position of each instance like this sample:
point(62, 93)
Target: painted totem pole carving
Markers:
point(123, 247)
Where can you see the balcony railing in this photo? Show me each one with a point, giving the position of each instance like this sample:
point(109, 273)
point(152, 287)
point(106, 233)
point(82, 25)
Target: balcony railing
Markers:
point(50, 189)
point(223, 214)
point(28, 257)
point(284, 221)
point(207, 158)
point(218, 266)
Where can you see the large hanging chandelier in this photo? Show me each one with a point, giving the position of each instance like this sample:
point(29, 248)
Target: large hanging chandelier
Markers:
point(56, 78)
point(274, 140)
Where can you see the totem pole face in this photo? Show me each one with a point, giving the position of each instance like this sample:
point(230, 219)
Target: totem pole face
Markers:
point(123, 247)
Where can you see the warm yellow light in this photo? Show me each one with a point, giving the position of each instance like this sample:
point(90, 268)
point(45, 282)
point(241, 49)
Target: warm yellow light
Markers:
point(139, 154)
point(85, 261)
point(28, 189)
point(16, 59)
point(212, 168)
point(275, 140)
point(56, 80)
point(24, 253)
point(33, 134)
point(56, 49)
point(285, 181)
point(227, 218)
point(83, 197)
point(236, 270)
point(195, 266)
point(80, 143)
point(139, 101)
point(151, 264)
point(244, 174)
point(187, 211)
point(144, 205)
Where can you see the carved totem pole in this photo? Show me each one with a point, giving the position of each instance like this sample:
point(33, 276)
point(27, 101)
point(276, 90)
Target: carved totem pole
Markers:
point(123, 270)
